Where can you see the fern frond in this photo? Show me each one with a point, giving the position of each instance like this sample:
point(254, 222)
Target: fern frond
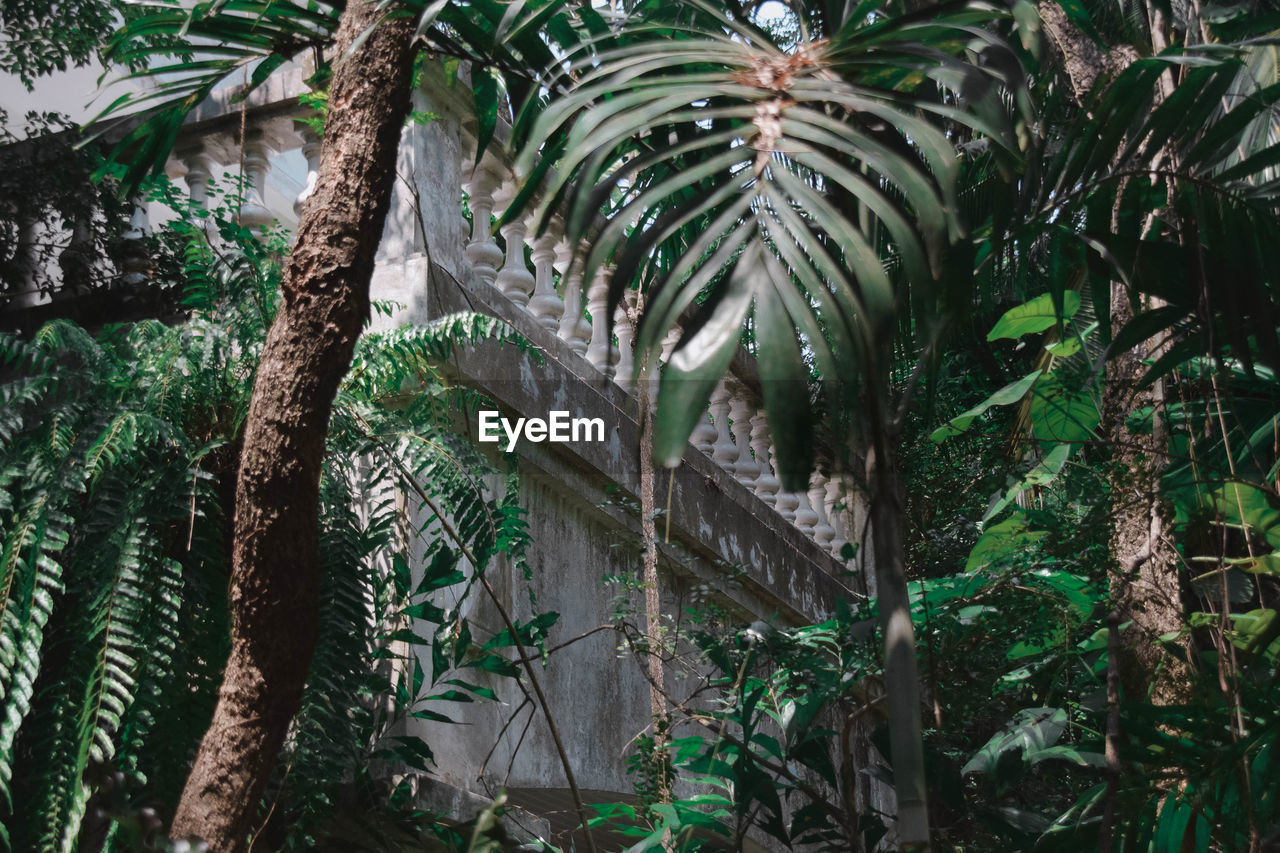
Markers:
point(23, 356)
point(66, 337)
point(30, 578)
point(118, 621)
point(403, 359)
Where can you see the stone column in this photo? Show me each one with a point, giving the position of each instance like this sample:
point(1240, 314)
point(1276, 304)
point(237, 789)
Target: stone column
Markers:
point(482, 251)
point(724, 450)
point(253, 207)
point(600, 351)
point(767, 482)
point(545, 305)
point(746, 469)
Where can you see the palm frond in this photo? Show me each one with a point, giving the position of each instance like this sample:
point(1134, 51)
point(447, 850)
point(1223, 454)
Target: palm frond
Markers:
point(812, 182)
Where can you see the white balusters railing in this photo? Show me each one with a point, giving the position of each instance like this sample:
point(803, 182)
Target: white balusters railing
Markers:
point(134, 263)
point(704, 434)
point(746, 468)
point(310, 153)
point(193, 157)
point(805, 517)
point(574, 329)
point(838, 515)
point(723, 450)
point(624, 328)
point(785, 502)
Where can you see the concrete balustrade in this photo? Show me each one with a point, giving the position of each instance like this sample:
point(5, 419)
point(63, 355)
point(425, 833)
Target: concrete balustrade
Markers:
point(823, 532)
point(723, 450)
point(256, 163)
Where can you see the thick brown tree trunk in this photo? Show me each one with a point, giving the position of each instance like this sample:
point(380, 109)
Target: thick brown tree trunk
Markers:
point(1144, 576)
point(308, 350)
point(1145, 579)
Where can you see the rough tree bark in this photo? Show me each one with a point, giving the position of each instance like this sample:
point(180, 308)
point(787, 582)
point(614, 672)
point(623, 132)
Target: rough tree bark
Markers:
point(1144, 574)
point(274, 574)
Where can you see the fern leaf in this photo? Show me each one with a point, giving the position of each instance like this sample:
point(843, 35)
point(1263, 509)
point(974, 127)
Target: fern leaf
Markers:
point(31, 578)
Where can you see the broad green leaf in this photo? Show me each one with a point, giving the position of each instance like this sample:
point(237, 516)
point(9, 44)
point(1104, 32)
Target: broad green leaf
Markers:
point(1062, 415)
point(699, 363)
point(1011, 393)
point(1032, 731)
point(1044, 473)
point(1001, 541)
point(1037, 315)
point(1252, 508)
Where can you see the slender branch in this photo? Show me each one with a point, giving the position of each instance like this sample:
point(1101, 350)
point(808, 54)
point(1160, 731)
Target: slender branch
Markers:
point(515, 636)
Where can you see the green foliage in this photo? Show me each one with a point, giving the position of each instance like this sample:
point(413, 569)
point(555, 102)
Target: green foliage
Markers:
point(40, 37)
point(762, 756)
point(117, 461)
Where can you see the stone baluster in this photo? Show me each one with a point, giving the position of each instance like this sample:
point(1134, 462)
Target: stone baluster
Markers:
point(747, 469)
point(704, 434)
point(766, 486)
point(600, 350)
point(625, 330)
point(466, 167)
point(786, 502)
point(77, 259)
point(823, 532)
point(515, 280)
point(545, 305)
point(574, 328)
point(724, 450)
point(805, 518)
point(837, 516)
point(482, 252)
point(666, 347)
point(24, 250)
point(253, 207)
point(311, 152)
point(199, 170)
point(134, 262)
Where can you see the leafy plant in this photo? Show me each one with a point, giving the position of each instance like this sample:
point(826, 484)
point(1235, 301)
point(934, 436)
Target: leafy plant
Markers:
point(116, 450)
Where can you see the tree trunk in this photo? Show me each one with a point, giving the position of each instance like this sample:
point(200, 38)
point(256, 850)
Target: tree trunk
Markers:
point(274, 577)
point(901, 675)
point(1144, 578)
